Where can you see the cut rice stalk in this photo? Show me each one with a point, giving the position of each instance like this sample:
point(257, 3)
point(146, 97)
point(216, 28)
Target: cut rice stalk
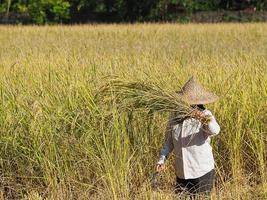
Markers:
point(145, 96)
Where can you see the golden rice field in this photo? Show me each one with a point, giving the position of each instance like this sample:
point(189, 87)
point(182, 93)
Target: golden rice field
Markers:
point(56, 143)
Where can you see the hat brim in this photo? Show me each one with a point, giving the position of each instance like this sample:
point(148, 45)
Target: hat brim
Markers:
point(206, 98)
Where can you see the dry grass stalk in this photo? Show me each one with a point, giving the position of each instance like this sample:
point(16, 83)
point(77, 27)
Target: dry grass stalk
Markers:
point(149, 97)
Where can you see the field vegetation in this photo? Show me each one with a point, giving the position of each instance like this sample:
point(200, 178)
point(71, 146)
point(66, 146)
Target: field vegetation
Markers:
point(58, 142)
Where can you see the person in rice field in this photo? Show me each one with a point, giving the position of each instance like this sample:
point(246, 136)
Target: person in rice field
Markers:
point(190, 141)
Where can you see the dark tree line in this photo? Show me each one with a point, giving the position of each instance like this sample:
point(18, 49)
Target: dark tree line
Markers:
point(80, 11)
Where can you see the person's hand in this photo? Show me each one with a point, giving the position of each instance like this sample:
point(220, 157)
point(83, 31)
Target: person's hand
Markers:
point(198, 115)
point(160, 167)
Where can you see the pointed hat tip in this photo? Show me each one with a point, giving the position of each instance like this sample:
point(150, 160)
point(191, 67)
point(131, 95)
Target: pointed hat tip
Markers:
point(193, 77)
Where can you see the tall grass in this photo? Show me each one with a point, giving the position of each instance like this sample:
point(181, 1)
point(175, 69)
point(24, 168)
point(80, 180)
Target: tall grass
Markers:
point(55, 139)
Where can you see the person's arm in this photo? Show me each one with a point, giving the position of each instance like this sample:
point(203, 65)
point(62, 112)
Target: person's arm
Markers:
point(212, 128)
point(168, 144)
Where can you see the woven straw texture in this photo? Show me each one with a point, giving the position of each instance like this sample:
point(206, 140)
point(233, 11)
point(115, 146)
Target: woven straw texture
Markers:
point(194, 93)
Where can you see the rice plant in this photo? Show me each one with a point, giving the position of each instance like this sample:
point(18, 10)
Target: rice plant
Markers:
point(149, 97)
point(61, 138)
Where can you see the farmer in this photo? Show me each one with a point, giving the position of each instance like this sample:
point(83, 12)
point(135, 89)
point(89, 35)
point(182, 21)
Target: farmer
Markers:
point(190, 140)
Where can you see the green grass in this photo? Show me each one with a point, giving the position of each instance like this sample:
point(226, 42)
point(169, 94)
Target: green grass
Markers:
point(56, 142)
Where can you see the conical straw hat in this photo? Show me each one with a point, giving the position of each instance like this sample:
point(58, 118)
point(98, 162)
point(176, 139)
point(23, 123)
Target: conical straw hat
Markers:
point(194, 93)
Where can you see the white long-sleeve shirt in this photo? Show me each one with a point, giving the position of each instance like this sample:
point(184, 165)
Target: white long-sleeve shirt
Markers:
point(190, 141)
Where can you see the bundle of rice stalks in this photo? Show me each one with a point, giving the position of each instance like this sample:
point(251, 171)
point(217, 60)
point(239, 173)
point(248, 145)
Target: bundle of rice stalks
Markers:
point(129, 96)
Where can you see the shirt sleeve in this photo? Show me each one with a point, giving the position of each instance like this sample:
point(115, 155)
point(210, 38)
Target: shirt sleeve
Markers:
point(212, 128)
point(168, 144)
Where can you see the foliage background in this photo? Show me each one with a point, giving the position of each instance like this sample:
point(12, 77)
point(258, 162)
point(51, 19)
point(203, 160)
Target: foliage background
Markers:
point(81, 11)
